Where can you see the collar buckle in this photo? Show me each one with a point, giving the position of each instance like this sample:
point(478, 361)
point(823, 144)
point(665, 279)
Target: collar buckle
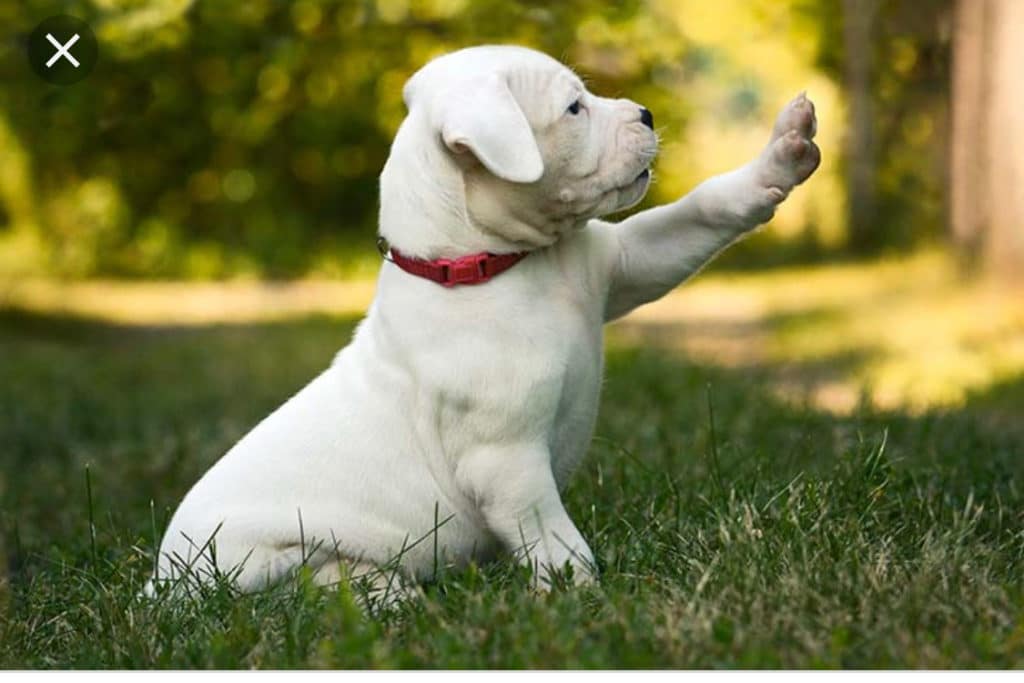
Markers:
point(464, 270)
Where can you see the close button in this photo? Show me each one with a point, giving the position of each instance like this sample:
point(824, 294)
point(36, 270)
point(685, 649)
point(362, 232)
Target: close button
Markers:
point(62, 49)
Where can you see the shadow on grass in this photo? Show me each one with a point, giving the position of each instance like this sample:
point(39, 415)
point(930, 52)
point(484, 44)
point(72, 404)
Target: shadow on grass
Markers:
point(148, 408)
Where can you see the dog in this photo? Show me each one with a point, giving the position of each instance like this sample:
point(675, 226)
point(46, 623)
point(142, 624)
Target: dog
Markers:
point(446, 429)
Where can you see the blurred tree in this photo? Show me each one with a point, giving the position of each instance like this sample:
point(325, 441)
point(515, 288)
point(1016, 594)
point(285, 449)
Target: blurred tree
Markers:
point(987, 160)
point(858, 21)
point(892, 58)
point(222, 137)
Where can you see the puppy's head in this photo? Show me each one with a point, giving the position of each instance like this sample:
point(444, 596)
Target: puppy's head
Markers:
point(537, 154)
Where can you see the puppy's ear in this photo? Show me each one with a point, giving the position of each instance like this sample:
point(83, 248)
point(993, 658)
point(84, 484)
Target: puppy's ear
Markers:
point(486, 120)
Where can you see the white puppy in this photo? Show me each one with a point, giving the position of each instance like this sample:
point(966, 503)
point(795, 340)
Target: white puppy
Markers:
point(445, 430)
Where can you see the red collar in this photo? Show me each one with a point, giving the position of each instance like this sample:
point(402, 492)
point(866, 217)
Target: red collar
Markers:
point(465, 270)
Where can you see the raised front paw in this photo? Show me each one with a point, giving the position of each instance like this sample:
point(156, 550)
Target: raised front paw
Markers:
point(791, 156)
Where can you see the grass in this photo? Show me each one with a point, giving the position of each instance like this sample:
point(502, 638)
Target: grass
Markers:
point(780, 533)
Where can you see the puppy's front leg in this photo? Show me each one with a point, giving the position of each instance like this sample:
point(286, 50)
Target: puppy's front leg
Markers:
point(661, 247)
point(516, 492)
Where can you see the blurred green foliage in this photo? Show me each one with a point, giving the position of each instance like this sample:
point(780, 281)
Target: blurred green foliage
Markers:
point(221, 138)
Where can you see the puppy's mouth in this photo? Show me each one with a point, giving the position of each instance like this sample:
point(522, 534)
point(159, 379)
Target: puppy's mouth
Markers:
point(631, 194)
point(638, 181)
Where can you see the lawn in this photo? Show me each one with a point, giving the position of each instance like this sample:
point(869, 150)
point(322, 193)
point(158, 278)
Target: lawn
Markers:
point(740, 517)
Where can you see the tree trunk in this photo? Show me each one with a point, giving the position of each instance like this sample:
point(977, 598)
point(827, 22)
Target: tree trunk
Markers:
point(987, 155)
point(858, 17)
point(969, 149)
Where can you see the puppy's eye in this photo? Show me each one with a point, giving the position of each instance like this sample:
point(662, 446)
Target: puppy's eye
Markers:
point(574, 108)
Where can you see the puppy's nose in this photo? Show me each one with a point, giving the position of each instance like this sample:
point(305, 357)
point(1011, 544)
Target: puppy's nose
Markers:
point(646, 117)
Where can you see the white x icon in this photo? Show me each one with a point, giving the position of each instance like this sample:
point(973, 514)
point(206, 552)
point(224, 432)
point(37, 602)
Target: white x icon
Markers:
point(62, 50)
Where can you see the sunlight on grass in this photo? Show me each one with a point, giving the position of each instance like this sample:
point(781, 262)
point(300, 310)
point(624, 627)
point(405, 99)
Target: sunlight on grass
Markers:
point(924, 340)
point(908, 334)
point(188, 303)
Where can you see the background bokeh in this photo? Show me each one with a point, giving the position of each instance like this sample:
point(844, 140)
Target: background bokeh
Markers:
point(238, 144)
point(218, 138)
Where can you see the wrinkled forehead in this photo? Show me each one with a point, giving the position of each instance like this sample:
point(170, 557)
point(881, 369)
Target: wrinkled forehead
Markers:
point(523, 69)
